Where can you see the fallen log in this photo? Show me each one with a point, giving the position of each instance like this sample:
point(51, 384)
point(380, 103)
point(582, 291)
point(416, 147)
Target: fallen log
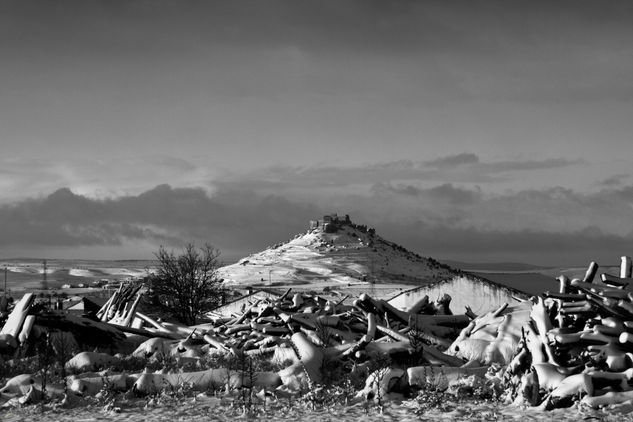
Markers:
point(309, 355)
point(84, 361)
point(90, 386)
point(591, 272)
point(13, 326)
point(89, 334)
point(144, 332)
point(380, 383)
point(27, 326)
point(617, 282)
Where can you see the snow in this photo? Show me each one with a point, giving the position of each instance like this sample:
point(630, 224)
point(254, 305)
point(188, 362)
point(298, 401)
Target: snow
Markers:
point(349, 256)
point(21, 269)
point(130, 272)
point(77, 272)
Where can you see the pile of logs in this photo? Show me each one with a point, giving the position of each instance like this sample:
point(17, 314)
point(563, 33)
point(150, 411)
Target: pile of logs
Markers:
point(299, 329)
point(578, 343)
point(297, 326)
point(572, 345)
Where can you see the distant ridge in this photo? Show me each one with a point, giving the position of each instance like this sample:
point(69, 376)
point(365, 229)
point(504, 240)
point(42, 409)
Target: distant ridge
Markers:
point(336, 251)
point(494, 266)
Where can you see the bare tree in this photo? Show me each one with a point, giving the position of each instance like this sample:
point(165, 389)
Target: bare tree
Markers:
point(189, 282)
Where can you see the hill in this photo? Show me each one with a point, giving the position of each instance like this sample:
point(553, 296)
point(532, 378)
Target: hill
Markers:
point(336, 252)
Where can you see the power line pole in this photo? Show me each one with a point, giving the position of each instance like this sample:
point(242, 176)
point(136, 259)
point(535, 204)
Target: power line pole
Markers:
point(5, 281)
point(45, 280)
point(372, 278)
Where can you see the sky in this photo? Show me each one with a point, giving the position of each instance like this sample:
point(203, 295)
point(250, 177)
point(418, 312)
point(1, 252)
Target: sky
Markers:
point(481, 131)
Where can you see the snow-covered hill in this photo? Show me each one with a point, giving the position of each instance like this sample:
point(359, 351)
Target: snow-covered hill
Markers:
point(352, 255)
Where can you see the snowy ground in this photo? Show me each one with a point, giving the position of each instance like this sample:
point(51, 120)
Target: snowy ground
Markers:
point(212, 408)
point(28, 274)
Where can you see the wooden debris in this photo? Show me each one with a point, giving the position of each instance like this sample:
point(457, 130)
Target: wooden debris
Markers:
point(306, 327)
point(580, 341)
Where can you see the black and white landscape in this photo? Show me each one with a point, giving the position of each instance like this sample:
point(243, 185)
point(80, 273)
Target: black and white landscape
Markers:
point(337, 153)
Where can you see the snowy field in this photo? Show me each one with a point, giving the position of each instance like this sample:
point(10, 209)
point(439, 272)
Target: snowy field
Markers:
point(28, 274)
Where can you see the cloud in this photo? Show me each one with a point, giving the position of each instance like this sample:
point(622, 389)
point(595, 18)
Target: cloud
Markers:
point(459, 168)
point(29, 177)
point(614, 181)
point(446, 221)
point(454, 160)
point(532, 246)
point(546, 226)
point(473, 162)
point(234, 221)
point(446, 193)
point(528, 165)
point(242, 215)
point(554, 210)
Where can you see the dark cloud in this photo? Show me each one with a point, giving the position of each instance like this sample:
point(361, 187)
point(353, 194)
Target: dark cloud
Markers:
point(164, 215)
point(534, 246)
point(446, 221)
point(447, 193)
point(454, 160)
point(614, 181)
point(455, 195)
point(550, 227)
point(622, 196)
point(527, 165)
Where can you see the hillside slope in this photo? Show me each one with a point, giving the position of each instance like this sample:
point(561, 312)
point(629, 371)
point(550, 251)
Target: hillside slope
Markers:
point(351, 255)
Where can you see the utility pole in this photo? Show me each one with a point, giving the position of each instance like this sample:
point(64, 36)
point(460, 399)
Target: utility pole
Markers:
point(4, 303)
point(45, 280)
